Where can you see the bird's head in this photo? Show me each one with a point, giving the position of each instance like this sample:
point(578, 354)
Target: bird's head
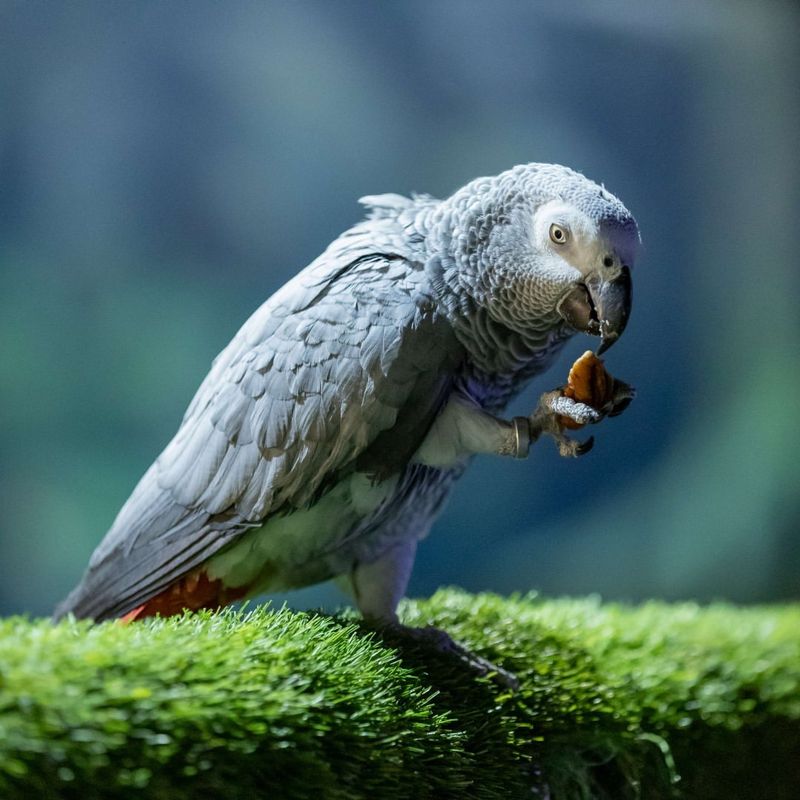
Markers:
point(544, 246)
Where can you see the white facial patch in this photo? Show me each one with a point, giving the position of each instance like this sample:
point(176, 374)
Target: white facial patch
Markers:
point(583, 246)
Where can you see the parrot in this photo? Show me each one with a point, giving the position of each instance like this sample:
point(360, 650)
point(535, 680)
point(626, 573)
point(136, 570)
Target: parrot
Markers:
point(328, 434)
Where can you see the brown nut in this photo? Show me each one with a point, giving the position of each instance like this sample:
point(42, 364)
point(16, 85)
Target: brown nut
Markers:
point(588, 382)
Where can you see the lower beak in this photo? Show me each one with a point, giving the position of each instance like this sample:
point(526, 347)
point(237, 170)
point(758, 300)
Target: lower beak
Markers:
point(599, 307)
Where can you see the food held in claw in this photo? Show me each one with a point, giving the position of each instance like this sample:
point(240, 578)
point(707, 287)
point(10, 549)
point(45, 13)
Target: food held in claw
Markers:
point(589, 382)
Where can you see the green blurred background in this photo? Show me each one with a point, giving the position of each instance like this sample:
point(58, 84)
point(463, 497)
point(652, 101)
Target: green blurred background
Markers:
point(164, 167)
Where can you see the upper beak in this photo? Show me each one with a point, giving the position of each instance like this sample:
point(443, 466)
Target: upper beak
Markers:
point(599, 307)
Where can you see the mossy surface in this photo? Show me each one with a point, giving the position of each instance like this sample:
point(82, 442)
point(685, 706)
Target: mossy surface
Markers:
point(655, 701)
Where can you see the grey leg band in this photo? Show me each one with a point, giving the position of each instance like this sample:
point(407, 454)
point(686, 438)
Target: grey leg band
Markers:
point(522, 436)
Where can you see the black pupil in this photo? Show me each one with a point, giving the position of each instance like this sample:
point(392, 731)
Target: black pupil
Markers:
point(558, 234)
point(608, 261)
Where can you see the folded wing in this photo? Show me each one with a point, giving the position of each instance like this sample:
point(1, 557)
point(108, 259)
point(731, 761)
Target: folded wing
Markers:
point(344, 368)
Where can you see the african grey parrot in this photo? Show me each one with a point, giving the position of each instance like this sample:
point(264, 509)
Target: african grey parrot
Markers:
point(329, 432)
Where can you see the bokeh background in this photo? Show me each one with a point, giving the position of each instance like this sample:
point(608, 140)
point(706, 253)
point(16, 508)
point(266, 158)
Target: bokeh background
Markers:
point(164, 167)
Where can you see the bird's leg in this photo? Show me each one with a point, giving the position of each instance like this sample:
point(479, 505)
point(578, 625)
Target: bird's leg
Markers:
point(377, 587)
point(464, 429)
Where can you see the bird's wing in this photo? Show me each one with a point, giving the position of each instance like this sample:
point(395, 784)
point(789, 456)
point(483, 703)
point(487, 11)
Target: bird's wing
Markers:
point(345, 367)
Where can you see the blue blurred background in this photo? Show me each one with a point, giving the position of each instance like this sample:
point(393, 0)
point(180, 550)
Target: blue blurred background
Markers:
point(164, 167)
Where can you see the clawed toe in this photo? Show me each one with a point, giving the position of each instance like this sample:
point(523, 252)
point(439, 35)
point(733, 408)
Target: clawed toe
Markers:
point(619, 407)
point(584, 447)
point(623, 394)
point(442, 642)
point(571, 448)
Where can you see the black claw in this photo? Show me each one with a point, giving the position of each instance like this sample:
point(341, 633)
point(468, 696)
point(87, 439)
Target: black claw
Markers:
point(620, 407)
point(584, 447)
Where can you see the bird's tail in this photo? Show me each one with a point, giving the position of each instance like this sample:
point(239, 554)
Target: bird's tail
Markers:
point(192, 592)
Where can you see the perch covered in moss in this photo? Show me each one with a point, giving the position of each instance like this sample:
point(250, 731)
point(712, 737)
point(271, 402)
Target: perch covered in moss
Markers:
point(658, 701)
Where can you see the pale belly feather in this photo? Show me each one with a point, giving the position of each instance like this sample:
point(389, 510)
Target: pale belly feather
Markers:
point(297, 548)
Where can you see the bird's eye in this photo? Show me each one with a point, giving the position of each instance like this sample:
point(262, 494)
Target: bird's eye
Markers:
point(558, 234)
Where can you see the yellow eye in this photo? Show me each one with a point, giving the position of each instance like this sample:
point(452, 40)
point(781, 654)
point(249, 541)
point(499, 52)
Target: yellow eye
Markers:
point(558, 234)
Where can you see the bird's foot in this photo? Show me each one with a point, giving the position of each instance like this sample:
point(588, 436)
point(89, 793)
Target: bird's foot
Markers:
point(555, 409)
point(441, 642)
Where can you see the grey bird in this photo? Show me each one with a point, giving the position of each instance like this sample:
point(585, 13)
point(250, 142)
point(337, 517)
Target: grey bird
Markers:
point(328, 434)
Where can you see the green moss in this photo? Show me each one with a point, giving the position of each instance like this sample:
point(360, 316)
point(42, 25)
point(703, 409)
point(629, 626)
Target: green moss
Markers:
point(658, 701)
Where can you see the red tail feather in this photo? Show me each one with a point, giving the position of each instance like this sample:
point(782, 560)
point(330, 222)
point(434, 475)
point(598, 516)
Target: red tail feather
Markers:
point(193, 591)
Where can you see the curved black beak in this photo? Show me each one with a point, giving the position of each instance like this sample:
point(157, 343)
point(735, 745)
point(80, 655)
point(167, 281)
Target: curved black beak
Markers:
point(599, 307)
